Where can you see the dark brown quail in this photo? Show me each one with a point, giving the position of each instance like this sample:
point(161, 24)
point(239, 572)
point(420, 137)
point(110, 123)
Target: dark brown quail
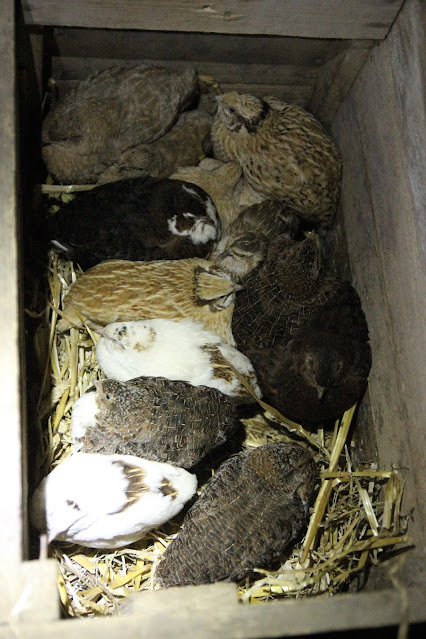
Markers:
point(154, 418)
point(244, 242)
point(249, 511)
point(283, 151)
point(141, 218)
point(110, 112)
point(323, 370)
point(281, 293)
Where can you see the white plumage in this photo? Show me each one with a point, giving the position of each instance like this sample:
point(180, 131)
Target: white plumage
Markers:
point(181, 350)
point(108, 501)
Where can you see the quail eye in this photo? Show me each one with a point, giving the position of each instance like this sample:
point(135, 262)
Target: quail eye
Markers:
point(72, 504)
point(231, 109)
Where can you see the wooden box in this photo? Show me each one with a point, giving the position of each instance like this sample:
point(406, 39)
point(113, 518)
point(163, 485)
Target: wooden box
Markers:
point(358, 65)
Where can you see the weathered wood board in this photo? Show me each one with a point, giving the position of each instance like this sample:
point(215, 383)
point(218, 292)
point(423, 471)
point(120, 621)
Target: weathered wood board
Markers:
point(12, 468)
point(383, 218)
point(310, 18)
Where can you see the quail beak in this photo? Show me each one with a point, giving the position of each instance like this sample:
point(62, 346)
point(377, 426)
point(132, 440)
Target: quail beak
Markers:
point(321, 391)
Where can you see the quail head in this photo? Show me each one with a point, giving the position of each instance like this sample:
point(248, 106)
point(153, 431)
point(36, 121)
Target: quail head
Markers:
point(244, 243)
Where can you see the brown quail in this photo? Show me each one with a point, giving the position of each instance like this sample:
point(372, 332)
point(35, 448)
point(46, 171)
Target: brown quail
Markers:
point(247, 514)
point(323, 370)
point(154, 418)
point(281, 293)
point(244, 242)
point(110, 112)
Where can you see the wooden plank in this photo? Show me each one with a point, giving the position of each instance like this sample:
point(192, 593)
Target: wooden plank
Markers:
point(311, 18)
point(407, 56)
point(335, 79)
point(12, 510)
point(276, 619)
point(279, 74)
point(388, 261)
point(37, 597)
point(158, 45)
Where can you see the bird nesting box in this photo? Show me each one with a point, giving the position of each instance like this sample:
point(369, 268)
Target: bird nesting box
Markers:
point(356, 66)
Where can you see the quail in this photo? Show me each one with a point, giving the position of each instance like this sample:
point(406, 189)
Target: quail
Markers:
point(248, 512)
point(110, 112)
point(176, 350)
point(108, 501)
point(323, 370)
point(244, 243)
point(135, 219)
point(283, 151)
point(154, 418)
point(121, 290)
point(183, 145)
point(281, 293)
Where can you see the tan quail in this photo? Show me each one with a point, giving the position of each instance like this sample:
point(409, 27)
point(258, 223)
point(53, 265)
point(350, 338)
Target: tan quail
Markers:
point(283, 150)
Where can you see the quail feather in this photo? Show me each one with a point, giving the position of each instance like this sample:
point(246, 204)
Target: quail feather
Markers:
point(108, 501)
point(120, 290)
point(182, 350)
point(282, 293)
point(323, 370)
point(283, 151)
point(244, 243)
point(248, 512)
point(187, 141)
point(141, 218)
point(110, 112)
point(154, 418)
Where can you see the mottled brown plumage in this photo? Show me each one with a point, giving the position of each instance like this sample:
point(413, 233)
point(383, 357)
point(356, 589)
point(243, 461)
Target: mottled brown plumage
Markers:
point(110, 112)
point(244, 242)
point(323, 370)
point(249, 511)
point(282, 293)
point(119, 290)
point(154, 418)
point(186, 142)
point(284, 152)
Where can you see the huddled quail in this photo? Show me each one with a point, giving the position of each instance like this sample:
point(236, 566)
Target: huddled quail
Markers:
point(281, 293)
point(120, 290)
point(135, 219)
point(284, 153)
point(110, 112)
point(183, 145)
point(244, 242)
point(108, 501)
point(154, 418)
point(323, 370)
point(248, 512)
point(182, 350)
